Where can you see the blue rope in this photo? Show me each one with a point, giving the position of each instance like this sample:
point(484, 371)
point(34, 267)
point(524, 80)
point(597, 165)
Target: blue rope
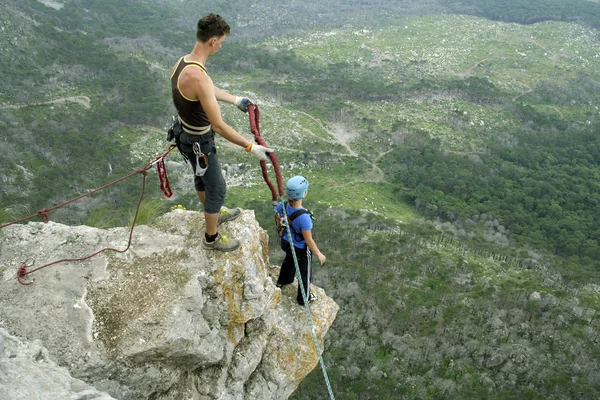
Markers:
point(309, 317)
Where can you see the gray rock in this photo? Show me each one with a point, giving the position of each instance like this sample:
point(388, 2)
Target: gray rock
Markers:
point(166, 319)
point(495, 360)
point(27, 372)
point(535, 296)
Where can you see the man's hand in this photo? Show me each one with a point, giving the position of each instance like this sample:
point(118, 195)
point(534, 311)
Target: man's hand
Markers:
point(261, 152)
point(242, 103)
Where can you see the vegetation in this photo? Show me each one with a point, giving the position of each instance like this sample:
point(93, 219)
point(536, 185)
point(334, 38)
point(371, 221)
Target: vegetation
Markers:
point(432, 317)
point(530, 12)
point(453, 163)
point(544, 190)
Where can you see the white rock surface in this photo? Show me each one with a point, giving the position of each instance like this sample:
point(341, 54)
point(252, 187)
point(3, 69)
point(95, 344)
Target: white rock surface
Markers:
point(165, 320)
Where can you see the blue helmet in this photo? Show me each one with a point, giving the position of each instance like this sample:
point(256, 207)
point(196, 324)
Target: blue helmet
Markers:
point(296, 187)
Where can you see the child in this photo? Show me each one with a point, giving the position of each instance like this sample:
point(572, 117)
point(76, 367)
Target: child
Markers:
point(304, 245)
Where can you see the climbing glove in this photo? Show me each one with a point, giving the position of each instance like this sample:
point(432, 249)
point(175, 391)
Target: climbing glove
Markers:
point(261, 152)
point(242, 103)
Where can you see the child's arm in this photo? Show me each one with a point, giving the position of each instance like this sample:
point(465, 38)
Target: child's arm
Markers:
point(313, 246)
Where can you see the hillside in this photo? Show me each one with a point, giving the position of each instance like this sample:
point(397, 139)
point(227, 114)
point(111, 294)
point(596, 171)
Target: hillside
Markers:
point(453, 162)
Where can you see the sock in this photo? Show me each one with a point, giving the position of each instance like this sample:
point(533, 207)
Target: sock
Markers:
point(211, 238)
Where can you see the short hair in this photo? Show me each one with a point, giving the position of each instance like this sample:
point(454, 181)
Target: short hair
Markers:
point(211, 25)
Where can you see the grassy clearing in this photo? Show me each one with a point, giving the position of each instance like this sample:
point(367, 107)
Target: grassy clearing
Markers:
point(339, 187)
point(515, 59)
point(452, 44)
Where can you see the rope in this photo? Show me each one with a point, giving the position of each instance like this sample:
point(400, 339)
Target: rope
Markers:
point(254, 122)
point(254, 119)
point(308, 315)
point(43, 214)
point(22, 272)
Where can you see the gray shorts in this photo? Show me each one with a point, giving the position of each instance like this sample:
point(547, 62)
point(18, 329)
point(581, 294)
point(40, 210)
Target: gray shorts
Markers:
point(212, 182)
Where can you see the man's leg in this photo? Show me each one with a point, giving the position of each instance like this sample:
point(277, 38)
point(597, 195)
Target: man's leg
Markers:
point(210, 219)
point(214, 196)
point(211, 223)
point(226, 214)
point(201, 196)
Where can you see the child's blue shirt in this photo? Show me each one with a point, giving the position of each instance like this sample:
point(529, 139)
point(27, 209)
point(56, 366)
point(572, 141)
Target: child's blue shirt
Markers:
point(301, 223)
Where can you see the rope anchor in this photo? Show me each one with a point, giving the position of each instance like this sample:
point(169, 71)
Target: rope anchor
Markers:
point(22, 271)
point(43, 214)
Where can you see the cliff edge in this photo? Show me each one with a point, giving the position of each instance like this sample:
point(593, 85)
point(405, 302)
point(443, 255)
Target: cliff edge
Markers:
point(165, 320)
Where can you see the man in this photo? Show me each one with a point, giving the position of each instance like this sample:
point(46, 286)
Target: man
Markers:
point(196, 99)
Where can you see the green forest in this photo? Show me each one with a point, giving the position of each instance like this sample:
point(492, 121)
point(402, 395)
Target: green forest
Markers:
point(460, 216)
point(530, 12)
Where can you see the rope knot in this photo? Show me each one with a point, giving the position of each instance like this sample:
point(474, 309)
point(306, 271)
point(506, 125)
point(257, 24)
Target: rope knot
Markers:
point(43, 214)
point(21, 272)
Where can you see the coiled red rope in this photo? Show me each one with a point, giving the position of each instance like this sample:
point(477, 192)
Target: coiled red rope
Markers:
point(43, 214)
point(254, 128)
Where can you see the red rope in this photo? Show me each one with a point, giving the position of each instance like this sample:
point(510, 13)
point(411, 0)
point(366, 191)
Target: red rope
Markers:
point(43, 214)
point(23, 268)
point(254, 121)
point(164, 179)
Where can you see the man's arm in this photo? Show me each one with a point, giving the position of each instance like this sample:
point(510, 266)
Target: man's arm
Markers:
point(203, 89)
point(241, 102)
point(222, 95)
point(208, 95)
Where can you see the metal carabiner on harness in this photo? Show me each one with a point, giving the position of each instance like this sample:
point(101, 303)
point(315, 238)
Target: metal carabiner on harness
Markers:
point(201, 160)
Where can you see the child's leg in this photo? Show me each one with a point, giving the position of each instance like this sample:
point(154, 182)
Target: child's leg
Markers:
point(288, 269)
point(305, 264)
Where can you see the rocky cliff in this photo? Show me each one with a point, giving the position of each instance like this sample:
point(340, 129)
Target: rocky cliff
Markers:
point(165, 320)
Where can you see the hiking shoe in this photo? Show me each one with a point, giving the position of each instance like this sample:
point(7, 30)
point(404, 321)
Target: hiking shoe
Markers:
point(222, 243)
point(312, 297)
point(228, 214)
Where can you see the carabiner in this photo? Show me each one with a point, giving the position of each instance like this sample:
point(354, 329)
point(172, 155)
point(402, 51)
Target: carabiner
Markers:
point(201, 160)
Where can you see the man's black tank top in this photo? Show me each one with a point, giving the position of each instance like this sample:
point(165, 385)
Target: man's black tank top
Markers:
point(191, 114)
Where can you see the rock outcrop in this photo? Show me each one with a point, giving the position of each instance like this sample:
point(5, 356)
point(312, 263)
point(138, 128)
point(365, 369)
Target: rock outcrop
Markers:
point(27, 372)
point(165, 320)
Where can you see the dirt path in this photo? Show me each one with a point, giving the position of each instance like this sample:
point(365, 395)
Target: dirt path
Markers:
point(467, 73)
point(553, 56)
point(528, 89)
point(343, 136)
point(81, 100)
point(376, 174)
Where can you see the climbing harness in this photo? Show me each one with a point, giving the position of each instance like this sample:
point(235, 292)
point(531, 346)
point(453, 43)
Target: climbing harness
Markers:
point(43, 214)
point(282, 223)
point(254, 120)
